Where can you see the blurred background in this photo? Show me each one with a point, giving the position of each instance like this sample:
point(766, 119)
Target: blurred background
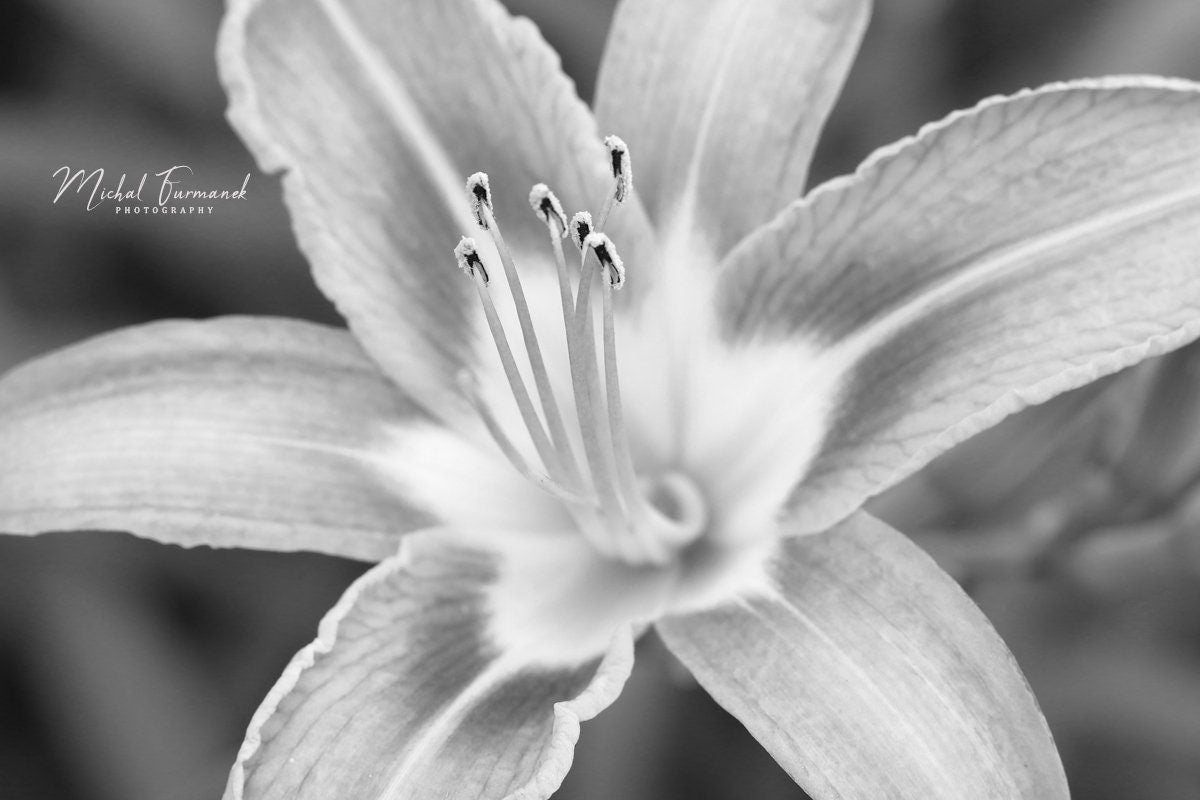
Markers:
point(129, 670)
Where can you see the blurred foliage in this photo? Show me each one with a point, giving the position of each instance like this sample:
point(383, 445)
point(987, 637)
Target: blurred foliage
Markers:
point(128, 670)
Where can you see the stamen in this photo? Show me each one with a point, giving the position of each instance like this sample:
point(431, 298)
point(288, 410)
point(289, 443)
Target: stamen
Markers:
point(610, 262)
point(479, 194)
point(650, 536)
point(544, 203)
point(470, 388)
point(557, 226)
point(558, 432)
point(516, 383)
point(585, 381)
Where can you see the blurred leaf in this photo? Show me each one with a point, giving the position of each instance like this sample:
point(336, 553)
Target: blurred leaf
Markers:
point(162, 45)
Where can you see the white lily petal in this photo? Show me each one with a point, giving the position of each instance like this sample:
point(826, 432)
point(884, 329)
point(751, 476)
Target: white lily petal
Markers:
point(235, 432)
point(460, 668)
point(463, 483)
point(1001, 257)
point(377, 111)
point(866, 672)
point(721, 102)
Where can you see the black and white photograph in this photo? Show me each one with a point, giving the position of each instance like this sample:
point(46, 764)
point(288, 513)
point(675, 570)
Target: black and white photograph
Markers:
point(600, 400)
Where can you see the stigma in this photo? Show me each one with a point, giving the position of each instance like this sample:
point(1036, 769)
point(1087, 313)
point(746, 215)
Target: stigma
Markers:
point(644, 520)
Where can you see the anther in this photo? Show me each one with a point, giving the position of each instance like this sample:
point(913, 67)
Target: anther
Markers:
point(581, 228)
point(606, 254)
point(544, 203)
point(479, 194)
point(622, 167)
point(468, 259)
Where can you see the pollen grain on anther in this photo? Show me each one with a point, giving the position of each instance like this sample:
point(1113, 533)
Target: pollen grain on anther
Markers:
point(581, 226)
point(622, 166)
point(467, 255)
point(546, 205)
point(479, 195)
point(606, 253)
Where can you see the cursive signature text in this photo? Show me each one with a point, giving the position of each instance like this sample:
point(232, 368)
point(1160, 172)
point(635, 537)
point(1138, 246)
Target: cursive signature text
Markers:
point(172, 187)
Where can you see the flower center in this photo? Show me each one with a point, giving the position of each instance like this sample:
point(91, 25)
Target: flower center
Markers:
point(640, 521)
point(679, 502)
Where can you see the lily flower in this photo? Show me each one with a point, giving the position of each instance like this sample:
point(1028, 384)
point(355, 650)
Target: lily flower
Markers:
point(666, 413)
